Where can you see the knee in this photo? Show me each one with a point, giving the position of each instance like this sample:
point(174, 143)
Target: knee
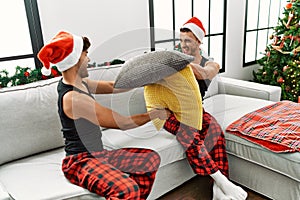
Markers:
point(155, 159)
point(155, 155)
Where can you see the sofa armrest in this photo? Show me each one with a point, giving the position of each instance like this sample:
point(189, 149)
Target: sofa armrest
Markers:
point(3, 194)
point(248, 89)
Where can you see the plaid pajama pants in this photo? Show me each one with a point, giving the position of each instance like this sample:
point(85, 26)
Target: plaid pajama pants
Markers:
point(126, 173)
point(205, 149)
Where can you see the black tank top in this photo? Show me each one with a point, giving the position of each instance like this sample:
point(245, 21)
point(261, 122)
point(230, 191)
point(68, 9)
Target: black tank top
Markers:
point(203, 84)
point(80, 135)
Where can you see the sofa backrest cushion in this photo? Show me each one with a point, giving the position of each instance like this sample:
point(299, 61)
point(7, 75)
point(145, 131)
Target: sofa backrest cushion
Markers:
point(213, 88)
point(29, 122)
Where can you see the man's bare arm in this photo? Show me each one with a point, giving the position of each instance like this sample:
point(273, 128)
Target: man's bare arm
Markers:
point(209, 71)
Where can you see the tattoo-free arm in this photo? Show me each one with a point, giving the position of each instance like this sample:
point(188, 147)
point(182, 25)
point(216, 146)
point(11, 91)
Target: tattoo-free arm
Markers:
point(103, 87)
point(77, 105)
point(209, 71)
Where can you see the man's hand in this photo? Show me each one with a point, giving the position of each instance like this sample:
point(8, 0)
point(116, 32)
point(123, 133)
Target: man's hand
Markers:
point(162, 114)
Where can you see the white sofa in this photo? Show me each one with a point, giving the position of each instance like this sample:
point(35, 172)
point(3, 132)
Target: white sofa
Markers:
point(32, 145)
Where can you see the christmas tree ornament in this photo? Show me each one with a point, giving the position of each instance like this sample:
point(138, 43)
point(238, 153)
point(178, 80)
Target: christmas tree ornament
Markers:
point(275, 40)
point(280, 80)
point(282, 43)
point(291, 15)
point(292, 39)
point(289, 6)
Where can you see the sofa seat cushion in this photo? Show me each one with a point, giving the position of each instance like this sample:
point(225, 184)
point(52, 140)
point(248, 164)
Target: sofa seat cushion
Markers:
point(43, 172)
point(285, 163)
point(46, 177)
point(146, 136)
point(227, 109)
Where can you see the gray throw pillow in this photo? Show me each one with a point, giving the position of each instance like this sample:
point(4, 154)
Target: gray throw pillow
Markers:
point(151, 67)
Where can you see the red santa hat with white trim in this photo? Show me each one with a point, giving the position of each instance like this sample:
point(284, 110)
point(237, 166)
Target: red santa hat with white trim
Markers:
point(64, 51)
point(196, 26)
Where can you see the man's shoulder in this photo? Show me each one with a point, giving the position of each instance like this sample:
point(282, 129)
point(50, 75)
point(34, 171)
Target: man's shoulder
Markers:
point(203, 61)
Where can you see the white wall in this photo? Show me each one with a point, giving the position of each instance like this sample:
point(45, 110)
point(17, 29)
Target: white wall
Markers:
point(114, 27)
point(119, 28)
point(235, 42)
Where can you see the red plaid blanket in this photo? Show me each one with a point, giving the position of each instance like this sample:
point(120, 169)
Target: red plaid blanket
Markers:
point(275, 127)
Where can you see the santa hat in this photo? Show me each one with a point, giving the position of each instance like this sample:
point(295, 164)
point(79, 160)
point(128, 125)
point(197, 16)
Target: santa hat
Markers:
point(64, 50)
point(196, 26)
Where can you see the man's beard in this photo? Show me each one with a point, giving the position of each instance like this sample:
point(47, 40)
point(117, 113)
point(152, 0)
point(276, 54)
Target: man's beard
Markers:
point(83, 73)
point(193, 51)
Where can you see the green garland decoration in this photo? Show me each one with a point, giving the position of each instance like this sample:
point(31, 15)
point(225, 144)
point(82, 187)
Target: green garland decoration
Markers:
point(25, 75)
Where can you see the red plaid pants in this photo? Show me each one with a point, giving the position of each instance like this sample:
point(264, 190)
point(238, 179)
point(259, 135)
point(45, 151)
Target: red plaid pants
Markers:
point(126, 173)
point(205, 149)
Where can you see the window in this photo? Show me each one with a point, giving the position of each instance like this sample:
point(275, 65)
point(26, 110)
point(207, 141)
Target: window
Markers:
point(167, 16)
point(21, 36)
point(261, 17)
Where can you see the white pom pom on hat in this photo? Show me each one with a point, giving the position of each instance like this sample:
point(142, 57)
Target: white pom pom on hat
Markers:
point(196, 26)
point(45, 71)
point(64, 51)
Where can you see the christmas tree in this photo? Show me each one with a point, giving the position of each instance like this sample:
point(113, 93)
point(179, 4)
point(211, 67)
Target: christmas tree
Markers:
point(281, 60)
